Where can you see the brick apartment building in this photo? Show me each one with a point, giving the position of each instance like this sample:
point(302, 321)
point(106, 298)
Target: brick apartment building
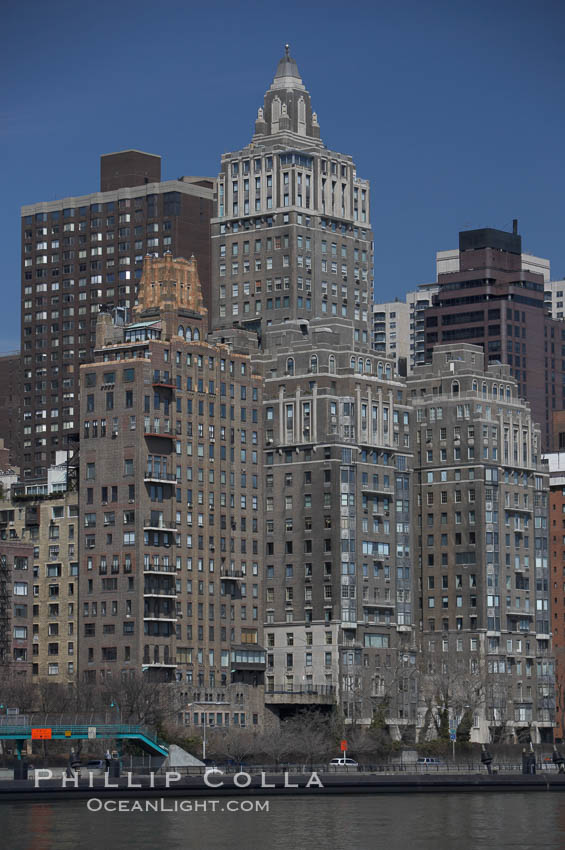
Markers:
point(83, 253)
point(42, 520)
point(556, 461)
point(170, 501)
point(10, 400)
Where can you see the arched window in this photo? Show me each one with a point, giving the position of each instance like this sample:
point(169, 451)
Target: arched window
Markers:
point(360, 365)
point(388, 370)
point(455, 387)
point(501, 392)
point(314, 363)
point(484, 390)
point(352, 363)
point(475, 386)
point(332, 364)
point(196, 334)
point(188, 334)
point(180, 331)
point(368, 366)
point(494, 391)
point(508, 394)
point(290, 366)
point(379, 370)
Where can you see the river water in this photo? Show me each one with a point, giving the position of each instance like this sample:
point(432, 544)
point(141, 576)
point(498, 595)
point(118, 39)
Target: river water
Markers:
point(471, 821)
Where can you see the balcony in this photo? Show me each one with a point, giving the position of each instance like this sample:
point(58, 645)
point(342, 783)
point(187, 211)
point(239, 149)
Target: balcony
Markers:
point(155, 617)
point(165, 434)
point(165, 593)
point(300, 695)
point(159, 570)
point(248, 658)
point(232, 575)
point(162, 380)
point(157, 523)
point(157, 477)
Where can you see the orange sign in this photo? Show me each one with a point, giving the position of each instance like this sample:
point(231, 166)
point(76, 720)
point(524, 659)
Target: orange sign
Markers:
point(344, 746)
point(41, 734)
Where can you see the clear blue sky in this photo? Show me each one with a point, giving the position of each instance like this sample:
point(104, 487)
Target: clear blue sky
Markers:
point(454, 110)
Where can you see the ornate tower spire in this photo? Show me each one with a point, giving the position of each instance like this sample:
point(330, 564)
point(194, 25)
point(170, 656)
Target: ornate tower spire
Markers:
point(287, 107)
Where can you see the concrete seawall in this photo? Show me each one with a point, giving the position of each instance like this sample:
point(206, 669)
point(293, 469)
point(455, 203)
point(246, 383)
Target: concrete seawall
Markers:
point(254, 785)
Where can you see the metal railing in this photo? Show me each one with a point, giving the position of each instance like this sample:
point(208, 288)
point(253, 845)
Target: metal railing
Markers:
point(159, 476)
point(323, 690)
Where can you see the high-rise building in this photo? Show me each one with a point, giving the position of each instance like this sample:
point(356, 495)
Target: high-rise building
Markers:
point(554, 298)
point(399, 328)
point(170, 497)
point(418, 301)
point(291, 238)
point(391, 332)
point(292, 261)
point(39, 537)
point(85, 252)
point(490, 297)
point(16, 556)
point(10, 401)
point(338, 568)
point(556, 462)
point(481, 541)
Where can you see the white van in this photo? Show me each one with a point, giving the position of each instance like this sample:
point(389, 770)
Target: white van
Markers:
point(343, 763)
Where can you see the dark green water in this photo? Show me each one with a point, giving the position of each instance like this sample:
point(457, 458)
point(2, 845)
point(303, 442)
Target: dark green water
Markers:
point(396, 822)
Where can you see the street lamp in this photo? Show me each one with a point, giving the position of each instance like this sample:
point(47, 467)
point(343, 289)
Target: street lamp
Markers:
point(115, 705)
point(189, 705)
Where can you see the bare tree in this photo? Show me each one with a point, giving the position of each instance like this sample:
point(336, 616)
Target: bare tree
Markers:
point(311, 735)
point(235, 743)
point(452, 688)
point(139, 700)
point(274, 746)
point(17, 692)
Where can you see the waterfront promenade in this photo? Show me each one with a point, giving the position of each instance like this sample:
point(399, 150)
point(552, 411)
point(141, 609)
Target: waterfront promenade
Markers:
point(272, 784)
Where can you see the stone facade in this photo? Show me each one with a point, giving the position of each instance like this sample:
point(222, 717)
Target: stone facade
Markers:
point(482, 547)
point(171, 493)
point(338, 563)
point(291, 239)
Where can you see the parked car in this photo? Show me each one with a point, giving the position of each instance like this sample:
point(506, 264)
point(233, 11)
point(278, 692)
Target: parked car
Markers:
point(429, 761)
point(342, 763)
